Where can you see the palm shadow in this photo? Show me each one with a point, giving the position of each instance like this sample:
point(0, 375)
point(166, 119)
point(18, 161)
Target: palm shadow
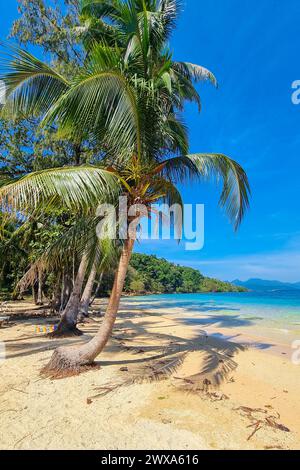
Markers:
point(163, 354)
point(153, 355)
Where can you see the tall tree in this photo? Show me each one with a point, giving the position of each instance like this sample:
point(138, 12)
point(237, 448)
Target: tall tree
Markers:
point(128, 95)
point(50, 26)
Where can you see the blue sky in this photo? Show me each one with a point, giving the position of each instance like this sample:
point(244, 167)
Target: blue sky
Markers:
point(253, 49)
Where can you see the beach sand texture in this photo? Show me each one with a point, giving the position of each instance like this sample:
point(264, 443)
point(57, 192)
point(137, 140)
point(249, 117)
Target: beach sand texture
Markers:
point(156, 389)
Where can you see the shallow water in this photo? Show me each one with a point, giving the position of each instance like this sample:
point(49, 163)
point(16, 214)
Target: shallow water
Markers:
point(271, 312)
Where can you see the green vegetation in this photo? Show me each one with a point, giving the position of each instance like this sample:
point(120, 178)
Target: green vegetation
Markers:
point(149, 274)
point(109, 100)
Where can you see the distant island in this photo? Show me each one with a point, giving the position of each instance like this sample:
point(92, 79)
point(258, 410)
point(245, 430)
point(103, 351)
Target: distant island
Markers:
point(152, 275)
point(262, 285)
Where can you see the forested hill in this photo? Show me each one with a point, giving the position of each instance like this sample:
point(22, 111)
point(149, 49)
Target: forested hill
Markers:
point(149, 274)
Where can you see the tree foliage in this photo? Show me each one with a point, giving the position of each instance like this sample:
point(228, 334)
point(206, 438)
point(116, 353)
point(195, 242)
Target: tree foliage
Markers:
point(149, 274)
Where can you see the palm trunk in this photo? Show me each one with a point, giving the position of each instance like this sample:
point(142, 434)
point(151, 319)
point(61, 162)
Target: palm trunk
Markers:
point(66, 291)
point(40, 287)
point(66, 361)
point(34, 294)
point(87, 293)
point(68, 322)
point(97, 289)
point(56, 299)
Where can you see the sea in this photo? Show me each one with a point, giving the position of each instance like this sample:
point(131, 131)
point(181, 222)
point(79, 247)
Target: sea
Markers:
point(273, 314)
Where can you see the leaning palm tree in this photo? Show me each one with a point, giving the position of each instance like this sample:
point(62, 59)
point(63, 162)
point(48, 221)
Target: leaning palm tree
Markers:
point(150, 185)
point(127, 96)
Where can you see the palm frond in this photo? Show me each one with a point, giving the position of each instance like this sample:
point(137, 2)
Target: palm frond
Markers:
point(101, 103)
point(98, 8)
point(32, 86)
point(179, 169)
point(72, 187)
point(194, 72)
point(236, 187)
point(5, 179)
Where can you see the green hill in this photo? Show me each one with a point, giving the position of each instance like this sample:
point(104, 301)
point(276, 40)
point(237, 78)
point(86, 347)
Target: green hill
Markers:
point(149, 274)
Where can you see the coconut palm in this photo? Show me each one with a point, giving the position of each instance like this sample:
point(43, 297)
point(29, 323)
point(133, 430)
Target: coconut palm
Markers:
point(127, 96)
point(150, 185)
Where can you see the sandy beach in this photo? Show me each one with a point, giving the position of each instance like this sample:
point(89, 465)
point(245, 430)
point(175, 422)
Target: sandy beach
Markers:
point(163, 383)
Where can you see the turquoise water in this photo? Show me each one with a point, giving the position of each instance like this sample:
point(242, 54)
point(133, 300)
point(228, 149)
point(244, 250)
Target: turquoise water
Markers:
point(278, 311)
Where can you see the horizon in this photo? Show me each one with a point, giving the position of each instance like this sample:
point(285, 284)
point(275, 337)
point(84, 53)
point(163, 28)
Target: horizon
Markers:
point(251, 118)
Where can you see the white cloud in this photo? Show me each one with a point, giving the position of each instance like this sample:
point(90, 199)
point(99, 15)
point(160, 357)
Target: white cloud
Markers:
point(282, 266)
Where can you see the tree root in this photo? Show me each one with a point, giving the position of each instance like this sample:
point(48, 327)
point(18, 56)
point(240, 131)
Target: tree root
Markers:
point(65, 332)
point(66, 362)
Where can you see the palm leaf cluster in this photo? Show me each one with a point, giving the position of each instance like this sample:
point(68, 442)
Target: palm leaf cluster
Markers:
point(128, 96)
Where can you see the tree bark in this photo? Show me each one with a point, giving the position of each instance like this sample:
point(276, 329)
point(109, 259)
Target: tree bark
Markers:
point(87, 293)
point(40, 287)
point(97, 289)
point(68, 321)
point(66, 290)
point(67, 361)
point(56, 298)
point(34, 293)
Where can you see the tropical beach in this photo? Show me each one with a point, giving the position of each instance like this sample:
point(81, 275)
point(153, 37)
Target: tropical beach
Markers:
point(149, 384)
point(149, 227)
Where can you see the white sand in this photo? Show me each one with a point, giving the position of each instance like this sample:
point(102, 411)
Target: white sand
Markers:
point(39, 413)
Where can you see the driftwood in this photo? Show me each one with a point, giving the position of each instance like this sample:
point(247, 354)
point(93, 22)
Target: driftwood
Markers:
point(260, 418)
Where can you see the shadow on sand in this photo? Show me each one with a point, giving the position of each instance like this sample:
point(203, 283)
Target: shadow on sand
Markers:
point(146, 351)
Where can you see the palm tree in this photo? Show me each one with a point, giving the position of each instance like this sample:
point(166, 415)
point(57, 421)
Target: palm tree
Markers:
point(87, 293)
point(148, 186)
point(128, 96)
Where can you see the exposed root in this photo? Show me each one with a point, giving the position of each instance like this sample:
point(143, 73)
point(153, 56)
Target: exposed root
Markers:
point(66, 362)
point(65, 332)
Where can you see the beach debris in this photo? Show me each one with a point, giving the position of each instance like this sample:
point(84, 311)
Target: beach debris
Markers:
point(9, 411)
point(217, 396)
point(105, 390)
point(260, 418)
point(17, 390)
point(257, 428)
point(274, 447)
point(272, 423)
point(124, 369)
point(20, 440)
point(89, 401)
